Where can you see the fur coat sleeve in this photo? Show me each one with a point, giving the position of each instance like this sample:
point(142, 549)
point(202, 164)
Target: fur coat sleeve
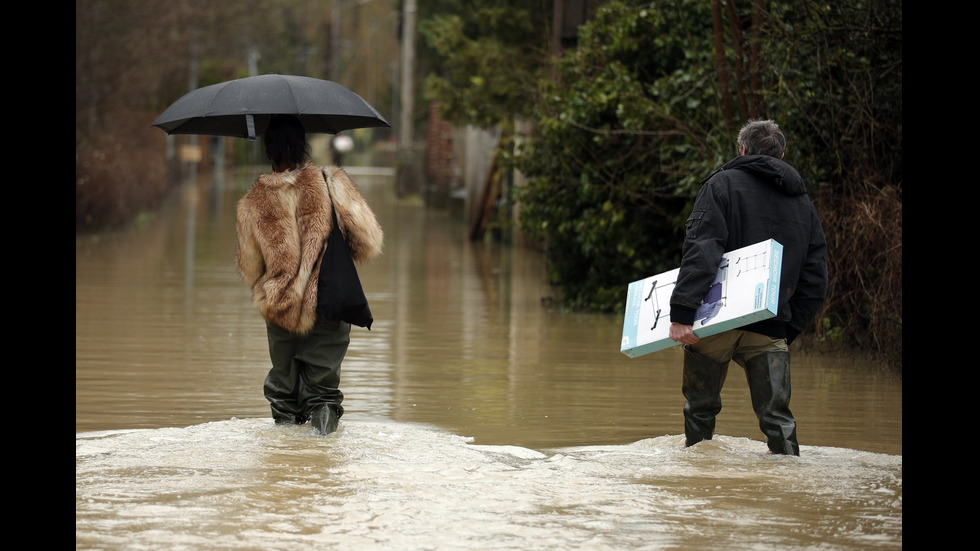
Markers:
point(283, 223)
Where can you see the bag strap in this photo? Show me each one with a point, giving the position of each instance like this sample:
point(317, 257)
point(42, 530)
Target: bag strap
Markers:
point(333, 211)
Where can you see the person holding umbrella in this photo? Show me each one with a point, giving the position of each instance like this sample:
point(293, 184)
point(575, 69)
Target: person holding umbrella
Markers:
point(300, 270)
point(291, 226)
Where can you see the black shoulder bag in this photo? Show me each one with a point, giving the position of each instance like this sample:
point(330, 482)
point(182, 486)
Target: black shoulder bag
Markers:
point(339, 292)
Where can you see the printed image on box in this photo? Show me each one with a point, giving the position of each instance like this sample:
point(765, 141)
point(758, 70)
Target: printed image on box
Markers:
point(745, 290)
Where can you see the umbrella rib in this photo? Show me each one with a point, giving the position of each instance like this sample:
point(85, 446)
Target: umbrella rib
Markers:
point(292, 94)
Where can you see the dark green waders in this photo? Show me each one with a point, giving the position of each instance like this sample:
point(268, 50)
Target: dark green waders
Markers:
point(304, 381)
point(769, 386)
point(768, 378)
point(703, 379)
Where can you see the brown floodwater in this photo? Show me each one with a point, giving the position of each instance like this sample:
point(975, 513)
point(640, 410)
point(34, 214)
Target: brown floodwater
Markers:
point(477, 417)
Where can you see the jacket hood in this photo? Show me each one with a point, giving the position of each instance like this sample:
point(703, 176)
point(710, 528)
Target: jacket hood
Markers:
point(777, 172)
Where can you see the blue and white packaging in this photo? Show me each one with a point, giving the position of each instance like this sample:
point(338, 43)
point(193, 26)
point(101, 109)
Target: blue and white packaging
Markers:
point(746, 290)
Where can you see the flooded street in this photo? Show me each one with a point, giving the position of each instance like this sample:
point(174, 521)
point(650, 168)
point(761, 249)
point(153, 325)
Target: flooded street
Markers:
point(475, 417)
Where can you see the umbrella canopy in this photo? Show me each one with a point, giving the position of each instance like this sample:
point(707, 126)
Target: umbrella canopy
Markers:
point(242, 108)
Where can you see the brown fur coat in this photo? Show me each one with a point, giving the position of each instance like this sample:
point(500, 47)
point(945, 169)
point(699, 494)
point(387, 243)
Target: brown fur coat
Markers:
point(283, 223)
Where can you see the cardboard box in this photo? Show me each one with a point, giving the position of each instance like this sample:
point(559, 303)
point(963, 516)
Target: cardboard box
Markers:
point(745, 290)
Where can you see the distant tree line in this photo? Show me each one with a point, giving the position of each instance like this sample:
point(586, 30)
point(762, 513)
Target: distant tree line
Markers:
point(134, 58)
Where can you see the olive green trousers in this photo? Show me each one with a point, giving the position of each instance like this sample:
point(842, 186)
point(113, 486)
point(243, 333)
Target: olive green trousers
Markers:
point(766, 364)
point(305, 370)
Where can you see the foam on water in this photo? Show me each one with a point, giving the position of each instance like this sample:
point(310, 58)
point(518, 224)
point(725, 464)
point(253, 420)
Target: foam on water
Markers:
point(248, 484)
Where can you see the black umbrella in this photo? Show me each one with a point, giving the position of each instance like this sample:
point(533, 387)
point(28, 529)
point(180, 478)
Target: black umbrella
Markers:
point(242, 108)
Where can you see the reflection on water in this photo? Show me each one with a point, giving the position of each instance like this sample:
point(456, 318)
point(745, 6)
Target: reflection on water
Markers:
point(475, 418)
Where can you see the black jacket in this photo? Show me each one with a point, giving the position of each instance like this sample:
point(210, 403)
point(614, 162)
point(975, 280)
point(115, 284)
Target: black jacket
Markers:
point(754, 198)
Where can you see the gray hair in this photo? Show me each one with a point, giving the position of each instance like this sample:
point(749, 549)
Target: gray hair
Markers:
point(762, 138)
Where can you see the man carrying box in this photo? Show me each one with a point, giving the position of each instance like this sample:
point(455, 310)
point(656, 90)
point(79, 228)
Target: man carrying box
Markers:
point(754, 197)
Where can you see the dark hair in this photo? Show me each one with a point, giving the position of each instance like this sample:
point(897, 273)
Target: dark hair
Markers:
point(762, 138)
point(285, 140)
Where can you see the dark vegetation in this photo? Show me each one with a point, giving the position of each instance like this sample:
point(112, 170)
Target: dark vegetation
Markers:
point(626, 122)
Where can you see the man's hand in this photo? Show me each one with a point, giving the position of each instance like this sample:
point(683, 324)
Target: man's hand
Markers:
point(683, 334)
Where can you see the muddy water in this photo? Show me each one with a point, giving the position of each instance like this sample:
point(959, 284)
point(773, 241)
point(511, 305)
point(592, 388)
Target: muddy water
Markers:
point(475, 417)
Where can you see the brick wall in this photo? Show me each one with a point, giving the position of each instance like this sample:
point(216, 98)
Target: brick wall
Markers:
point(440, 162)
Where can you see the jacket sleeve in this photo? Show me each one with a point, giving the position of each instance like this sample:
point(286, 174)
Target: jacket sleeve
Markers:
point(704, 245)
point(811, 289)
point(248, 253)
point(360, 227)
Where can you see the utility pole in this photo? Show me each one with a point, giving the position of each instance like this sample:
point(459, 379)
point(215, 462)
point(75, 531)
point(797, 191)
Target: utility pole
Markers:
point(407, 172)
point(335, 41)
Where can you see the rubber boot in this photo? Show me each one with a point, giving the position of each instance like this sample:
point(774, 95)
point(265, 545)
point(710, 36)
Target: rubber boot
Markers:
point(769, 386)
point(287, 419)
point(282, 401)
point(320, 398)
point(703, 379)
point(325, 418)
